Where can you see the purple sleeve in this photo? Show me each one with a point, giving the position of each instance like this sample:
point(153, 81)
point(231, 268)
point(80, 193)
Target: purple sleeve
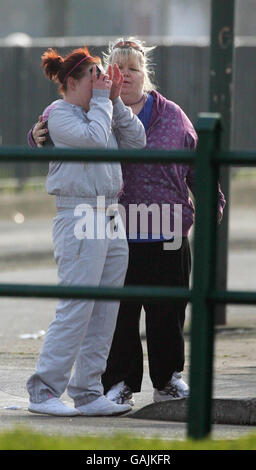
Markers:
point(30, 138)
point(46, 113)
point(190, 144)
point(222, 203)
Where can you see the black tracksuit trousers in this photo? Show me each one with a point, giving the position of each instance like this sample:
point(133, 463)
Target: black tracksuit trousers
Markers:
point(150, 264)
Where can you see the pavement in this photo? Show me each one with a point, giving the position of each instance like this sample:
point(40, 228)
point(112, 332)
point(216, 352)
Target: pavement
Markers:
point(26, 257)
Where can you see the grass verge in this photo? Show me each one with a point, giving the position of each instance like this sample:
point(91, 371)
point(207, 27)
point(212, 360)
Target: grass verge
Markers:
point(25, 439)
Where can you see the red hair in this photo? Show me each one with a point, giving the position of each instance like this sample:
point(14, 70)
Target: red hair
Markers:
point(58, 68)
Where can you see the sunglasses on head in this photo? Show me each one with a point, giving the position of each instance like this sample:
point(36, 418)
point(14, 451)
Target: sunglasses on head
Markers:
point(127, 44)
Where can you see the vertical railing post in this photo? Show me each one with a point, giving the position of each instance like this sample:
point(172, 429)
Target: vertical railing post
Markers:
point(204, 276)
point(221, 101)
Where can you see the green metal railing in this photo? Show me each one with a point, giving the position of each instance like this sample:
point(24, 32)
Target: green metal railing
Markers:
point(203, 295)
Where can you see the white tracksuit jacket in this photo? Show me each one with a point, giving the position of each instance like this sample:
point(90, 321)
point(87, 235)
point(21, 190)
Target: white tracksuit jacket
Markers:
point(104, 126)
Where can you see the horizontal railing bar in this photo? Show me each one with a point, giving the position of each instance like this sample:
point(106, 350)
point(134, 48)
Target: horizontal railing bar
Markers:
point(107, 293)
point(236, 158)
point(122, 293)
point(232, 297)
point(16, 154)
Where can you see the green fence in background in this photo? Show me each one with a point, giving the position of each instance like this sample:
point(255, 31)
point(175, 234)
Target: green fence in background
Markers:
point(203, 294)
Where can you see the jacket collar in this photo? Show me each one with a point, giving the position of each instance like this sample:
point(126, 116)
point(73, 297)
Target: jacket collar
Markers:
point(157, 110)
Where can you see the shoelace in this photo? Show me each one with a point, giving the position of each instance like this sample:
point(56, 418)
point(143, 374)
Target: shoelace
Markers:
point(124, 393)
point(170, 389)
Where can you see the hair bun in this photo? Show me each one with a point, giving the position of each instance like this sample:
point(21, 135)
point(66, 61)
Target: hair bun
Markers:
point(52, 63)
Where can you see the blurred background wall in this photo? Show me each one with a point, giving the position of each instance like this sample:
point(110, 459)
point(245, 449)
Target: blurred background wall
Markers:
point(113, 17)
point(178, 28)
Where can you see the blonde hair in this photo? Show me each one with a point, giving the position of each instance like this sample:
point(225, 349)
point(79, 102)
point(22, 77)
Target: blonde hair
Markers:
point(141, 56)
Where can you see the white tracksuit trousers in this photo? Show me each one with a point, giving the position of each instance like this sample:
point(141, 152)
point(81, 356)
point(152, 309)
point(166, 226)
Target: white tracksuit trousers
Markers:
point(83, 329)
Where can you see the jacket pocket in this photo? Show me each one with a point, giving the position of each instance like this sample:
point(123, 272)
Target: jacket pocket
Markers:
point(53, 167)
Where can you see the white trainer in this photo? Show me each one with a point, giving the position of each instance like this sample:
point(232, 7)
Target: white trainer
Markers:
point(175, 389)
point(54, 407)
point(102, 406)
point(121, 394)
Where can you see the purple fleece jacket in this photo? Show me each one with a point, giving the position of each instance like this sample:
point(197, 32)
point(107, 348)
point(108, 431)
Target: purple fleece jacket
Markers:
point(169, 128)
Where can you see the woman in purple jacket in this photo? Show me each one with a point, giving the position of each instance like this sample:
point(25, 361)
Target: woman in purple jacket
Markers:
point(150, 263)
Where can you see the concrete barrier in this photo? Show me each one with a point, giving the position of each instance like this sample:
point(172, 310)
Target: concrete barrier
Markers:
point(224, 411)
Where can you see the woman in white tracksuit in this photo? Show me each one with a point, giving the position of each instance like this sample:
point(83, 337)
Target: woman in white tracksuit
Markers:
point(90, 115)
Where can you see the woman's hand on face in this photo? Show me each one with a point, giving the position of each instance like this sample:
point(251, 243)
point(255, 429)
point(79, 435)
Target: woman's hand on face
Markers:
point(101, 83)
point(117, 81)
point(39, 132)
